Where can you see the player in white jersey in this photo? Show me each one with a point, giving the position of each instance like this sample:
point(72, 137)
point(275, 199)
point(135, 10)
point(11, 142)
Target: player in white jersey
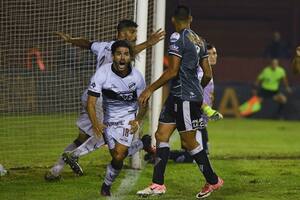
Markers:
point(120, 85)
point(86, 142)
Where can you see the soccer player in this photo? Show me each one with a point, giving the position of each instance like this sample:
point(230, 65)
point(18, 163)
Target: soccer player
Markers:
point(268, 82)
point(296, 61)
point(182, 109)
point(120, 84)
point(209, 113)
point(86, 142)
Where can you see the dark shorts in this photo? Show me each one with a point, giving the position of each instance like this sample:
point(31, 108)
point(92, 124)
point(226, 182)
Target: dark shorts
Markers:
point(267, 93)
point(187, 115)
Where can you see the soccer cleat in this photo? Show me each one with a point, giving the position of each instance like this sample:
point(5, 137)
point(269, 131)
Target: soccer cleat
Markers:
point(51, 178)
point(105, 190)
point(146, 139)
point(152, 190)
point(72, 162)
point(208, 189)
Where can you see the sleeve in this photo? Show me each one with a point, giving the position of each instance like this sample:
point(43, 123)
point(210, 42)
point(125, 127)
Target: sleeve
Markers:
point(98, 47)
point(176, 45)
point(141, 84)
point(261, 76)
point(97, 82)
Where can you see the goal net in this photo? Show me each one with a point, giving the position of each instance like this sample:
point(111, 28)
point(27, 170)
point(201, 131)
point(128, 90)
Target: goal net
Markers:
point(42, 78)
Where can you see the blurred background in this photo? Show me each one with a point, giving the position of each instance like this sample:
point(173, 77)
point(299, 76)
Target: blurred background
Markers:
point(244, 33)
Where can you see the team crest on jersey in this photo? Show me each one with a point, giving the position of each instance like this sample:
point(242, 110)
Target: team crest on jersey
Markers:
point(174, 37)
point(131, 86)
point(93, 85)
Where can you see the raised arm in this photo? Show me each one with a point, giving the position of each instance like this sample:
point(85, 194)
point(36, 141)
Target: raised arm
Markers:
point(79, 42)
point(152, 40)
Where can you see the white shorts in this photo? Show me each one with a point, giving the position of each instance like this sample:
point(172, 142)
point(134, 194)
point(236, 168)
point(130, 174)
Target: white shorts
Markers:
point(120, 134)
point(84, 123)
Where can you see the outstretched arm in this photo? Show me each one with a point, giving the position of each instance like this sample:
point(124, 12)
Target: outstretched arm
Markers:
point(79, 42)
point(152, 40)
point(167, 75)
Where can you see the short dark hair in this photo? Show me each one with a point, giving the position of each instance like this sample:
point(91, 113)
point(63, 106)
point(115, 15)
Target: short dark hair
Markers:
point(126, 23)
point(210, 46)
point(121, 43)
point(182, 13)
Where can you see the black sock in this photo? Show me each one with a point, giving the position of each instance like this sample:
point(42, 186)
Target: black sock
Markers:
point(174, 154)
point(117, 165)
point(160, 164)
point(205, 167)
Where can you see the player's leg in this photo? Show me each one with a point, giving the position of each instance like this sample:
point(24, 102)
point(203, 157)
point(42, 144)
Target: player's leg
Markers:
point(189, 121)
point(119, 153)
point(55, 171)
point(119, 140)
point(162, 136)
point(143, 143)
point(165, 129)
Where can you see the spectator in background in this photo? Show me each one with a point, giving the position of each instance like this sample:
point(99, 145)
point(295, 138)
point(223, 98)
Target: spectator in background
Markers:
point(268, 82)
point(296, 62)
point(277, 48)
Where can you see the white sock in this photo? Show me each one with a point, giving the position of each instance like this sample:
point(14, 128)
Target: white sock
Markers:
point(88, 146)
point(59, 165)
point(111, 175)
point(135, 147)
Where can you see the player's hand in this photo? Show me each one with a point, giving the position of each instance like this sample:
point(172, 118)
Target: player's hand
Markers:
point(66, 37)
point(144, 97)
point(156, 37)
point(298, 51)
point(99, 129)
point(135, 126)
point(216, 116)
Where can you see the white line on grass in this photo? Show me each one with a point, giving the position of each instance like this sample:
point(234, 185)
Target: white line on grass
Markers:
point(131, 178)
point(128, 181)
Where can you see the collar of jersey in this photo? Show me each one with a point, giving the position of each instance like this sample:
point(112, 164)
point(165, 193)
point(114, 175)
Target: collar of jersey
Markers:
point(116, 73)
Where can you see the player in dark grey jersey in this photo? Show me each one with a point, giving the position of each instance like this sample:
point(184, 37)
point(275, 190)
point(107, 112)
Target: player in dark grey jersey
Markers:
point(182, 109)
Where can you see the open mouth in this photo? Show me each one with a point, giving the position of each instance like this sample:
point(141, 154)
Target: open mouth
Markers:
point(122, 65)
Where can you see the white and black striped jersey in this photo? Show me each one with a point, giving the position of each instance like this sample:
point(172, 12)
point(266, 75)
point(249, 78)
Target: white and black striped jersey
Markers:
point(119, 94)
point(103, 52)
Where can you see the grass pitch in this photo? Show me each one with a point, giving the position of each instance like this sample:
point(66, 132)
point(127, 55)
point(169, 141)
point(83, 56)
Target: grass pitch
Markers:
point(258, 159)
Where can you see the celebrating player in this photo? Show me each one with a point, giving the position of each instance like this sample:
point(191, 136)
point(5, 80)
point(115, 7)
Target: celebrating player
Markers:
point(182, 109)
point(121, 85)
point(86, 142)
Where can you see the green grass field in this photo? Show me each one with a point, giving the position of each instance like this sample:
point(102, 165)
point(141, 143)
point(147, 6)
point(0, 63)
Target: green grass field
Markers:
point(259, 160)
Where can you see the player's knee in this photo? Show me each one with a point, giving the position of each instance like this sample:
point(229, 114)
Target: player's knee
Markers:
point(80, 139)
point(119, 156)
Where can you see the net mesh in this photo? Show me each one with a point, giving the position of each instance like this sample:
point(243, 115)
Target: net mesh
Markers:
point(42, 78)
